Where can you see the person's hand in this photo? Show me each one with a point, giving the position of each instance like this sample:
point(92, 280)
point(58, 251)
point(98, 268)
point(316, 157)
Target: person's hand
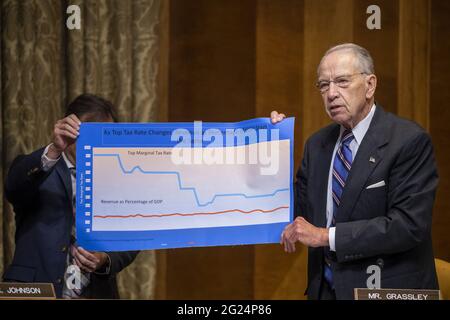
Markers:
point(304, 232)
point(277, 117)
point(65, 133)
point(88, 261)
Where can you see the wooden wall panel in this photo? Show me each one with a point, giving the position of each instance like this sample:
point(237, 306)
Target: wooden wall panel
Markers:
point(210, 273)
point(279, 65)
point(212, 60)
point(383, 46)
point(211, 78)
point(279, 60)
point(440, 121)
point(326, 23)
point(413, 80)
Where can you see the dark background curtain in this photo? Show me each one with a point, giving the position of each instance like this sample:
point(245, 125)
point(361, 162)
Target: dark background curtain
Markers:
point(44, 65)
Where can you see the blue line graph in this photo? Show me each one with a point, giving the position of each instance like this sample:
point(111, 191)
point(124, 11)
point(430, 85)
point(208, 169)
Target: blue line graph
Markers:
point(115, 155)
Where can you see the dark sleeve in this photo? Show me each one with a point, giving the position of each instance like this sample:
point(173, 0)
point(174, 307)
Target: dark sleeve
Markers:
point(412, 186)
point(300, 184)
point(24, 177)
point(120, 260)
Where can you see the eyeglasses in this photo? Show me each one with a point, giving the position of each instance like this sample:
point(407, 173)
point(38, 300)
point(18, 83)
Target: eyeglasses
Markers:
point(342, 82)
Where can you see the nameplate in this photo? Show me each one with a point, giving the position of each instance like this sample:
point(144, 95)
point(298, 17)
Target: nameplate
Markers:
point(13, 290)
point(396, 294)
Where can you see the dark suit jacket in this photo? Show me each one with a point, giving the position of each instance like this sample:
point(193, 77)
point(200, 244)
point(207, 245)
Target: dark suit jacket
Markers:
point(388, 226)
point(43, 210)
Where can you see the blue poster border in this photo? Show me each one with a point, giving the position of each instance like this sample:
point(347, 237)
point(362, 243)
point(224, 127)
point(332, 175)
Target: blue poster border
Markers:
point(92, 136)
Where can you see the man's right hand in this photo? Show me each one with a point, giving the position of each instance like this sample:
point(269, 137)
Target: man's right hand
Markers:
point(64, 134)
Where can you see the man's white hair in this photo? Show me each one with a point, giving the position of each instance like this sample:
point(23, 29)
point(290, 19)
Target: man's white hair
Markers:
point(364, 58)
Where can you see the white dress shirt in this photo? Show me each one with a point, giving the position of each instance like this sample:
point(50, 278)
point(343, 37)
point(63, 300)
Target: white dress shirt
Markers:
point(48, 163)
point(358, 132)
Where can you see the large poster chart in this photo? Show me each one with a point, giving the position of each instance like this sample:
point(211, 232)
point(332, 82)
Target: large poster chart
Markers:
point(171, 185)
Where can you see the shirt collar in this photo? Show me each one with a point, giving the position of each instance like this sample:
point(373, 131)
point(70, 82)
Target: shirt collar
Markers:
point(67, 161)
point(361, 128)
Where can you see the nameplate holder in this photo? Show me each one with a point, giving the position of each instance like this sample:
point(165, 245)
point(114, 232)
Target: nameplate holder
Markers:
point(16, 290)
point(396, 294)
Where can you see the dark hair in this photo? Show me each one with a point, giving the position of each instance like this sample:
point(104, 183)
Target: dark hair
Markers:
point(93, 108)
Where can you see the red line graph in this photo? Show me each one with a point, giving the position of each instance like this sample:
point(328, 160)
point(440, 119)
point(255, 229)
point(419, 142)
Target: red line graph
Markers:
point(187, 214)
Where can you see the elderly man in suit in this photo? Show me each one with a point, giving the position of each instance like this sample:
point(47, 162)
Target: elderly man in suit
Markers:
point(41, 186)
point(365, 188)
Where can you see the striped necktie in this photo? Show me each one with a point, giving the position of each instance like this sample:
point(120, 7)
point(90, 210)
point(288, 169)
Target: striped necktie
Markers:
point(341, 169)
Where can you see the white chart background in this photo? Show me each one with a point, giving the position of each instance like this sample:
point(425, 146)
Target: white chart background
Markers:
point(111, 182)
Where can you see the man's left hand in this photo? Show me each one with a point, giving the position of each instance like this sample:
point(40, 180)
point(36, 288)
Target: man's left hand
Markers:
point(303, 231)
point(88, 261)
point(277, 117)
